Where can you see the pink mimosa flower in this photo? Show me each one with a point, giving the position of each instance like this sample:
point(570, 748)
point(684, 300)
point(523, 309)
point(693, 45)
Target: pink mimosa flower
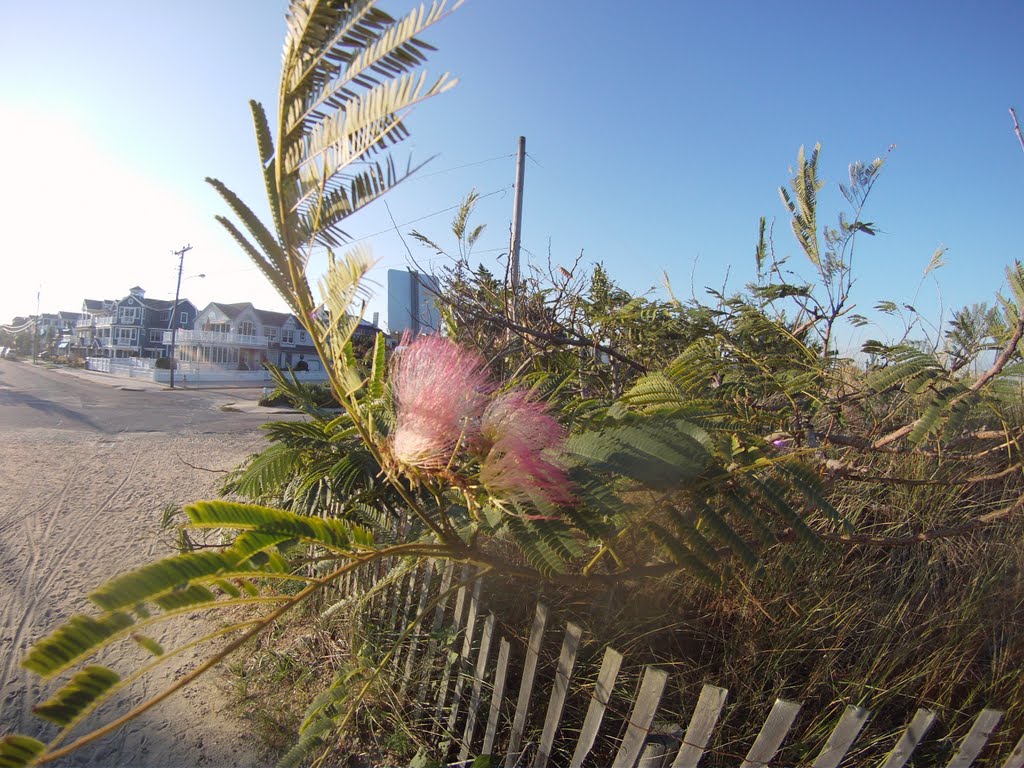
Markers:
point(513, 415)
point(525, 440)
point(440, 390)
point(517, 471)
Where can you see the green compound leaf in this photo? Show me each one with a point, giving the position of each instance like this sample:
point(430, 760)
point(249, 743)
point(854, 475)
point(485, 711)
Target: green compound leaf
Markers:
point(129, 589)
point(77, 638)
point(77, 695)
point(149, 644)
point(331, 533)
point(19, 751)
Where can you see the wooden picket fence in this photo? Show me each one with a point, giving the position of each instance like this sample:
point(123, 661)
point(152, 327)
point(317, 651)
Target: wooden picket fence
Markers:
point(460, 695)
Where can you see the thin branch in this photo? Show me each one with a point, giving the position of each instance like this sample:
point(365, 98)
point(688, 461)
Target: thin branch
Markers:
point(1016, 127)
point(202, 469)
point(572, 338)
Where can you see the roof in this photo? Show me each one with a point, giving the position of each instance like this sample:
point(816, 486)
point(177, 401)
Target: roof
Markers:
point(265, 316)
point(164, 303)
point(96, 304)
point(231, 310)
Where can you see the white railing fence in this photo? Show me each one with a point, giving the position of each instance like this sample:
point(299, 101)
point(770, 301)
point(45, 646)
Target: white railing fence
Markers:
point(190, 375)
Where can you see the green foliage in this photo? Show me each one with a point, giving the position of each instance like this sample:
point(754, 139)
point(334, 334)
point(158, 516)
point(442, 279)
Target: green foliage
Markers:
point(713, 440)
point(18, 751)
point(79, 693)
point(73, 641)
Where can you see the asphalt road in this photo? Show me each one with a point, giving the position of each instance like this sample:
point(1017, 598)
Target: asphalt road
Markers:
point(35, 396)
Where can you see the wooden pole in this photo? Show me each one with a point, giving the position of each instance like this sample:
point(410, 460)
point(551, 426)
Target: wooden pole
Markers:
point(177, 294)
point(517, 222)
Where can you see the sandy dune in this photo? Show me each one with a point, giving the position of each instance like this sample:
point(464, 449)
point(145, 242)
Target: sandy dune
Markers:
point(75, 509)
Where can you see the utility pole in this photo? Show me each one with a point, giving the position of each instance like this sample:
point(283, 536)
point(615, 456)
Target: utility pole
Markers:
point(35, 328)
point(173, 326)
point(517, 223)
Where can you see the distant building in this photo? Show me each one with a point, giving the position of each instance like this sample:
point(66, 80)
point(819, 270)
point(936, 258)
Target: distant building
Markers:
point(240, 336)
point(412, 302)
point(130, 327)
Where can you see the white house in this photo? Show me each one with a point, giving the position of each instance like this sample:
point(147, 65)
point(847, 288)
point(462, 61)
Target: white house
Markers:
point(242, 337)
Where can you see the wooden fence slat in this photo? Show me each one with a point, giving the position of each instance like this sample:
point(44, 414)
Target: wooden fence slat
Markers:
point(461, 662)
point(497, 695)
point(559, 690)
point(772, 734)
point(1016, 757)
point(657, 751)
point(394, 596)
point(409, 592)
point(651, 688)
point(981, 730)
point(478, 681)
point(842, 737)
point(654, 755)
point(433, 643)
point(911, 737)
point(416, 639)
point(515, 739)
point(610, 666)
point(702, 725)
point(450, 656)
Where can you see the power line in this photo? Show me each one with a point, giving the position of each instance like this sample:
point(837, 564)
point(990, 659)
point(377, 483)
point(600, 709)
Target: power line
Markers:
point(428, 216)
point(418, 176)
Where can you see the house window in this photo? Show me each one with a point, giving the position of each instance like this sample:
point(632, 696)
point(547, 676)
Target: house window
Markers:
point(222, 354)
point(184, 318)
point(156, 335)
point(287, 335)
point(127, 336)
point(246, 328)
point(129, 315)
point(270, 333)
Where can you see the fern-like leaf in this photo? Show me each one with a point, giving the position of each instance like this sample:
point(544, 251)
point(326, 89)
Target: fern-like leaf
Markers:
point(19, 751)
point(72, 641)
point(77, 695)
point(332, 534)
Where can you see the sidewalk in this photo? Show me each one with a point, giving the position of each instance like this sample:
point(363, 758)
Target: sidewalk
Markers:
point(240, 399)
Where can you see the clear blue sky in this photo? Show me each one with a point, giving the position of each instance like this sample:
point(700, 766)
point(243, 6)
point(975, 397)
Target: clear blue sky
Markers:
point(659, 133)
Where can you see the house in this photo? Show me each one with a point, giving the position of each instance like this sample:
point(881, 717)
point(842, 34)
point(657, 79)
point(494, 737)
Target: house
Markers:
point(240, 336)
point(67, 321)
point(129, 327)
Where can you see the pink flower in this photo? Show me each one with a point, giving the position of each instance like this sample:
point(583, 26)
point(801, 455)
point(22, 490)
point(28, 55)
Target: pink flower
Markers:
point(522, 463)
point(520, 472)
point(440, 390)
point(515, 416)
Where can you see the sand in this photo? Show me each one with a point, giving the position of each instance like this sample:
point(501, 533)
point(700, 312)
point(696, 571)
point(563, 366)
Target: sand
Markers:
point(75, 509)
